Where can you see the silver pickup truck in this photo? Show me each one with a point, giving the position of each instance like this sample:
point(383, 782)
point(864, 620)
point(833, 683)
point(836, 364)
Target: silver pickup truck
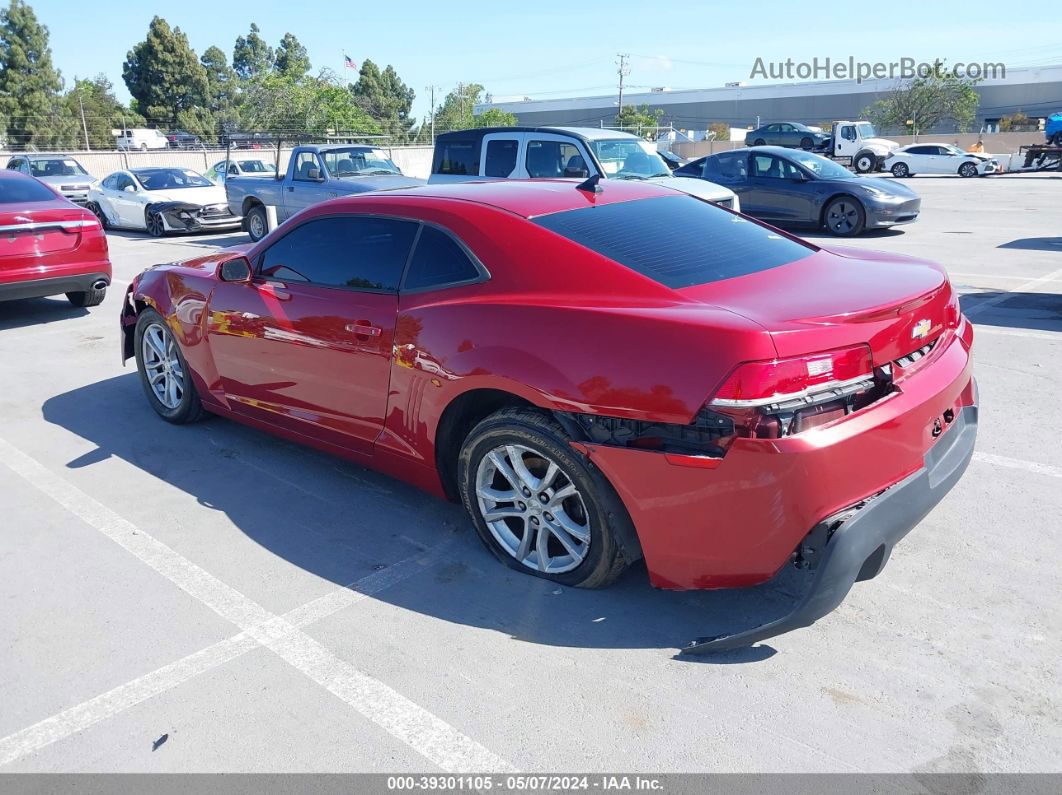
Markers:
point(315, 174)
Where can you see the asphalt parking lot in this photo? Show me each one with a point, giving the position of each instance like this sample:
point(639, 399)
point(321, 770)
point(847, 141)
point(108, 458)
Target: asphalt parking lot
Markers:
point(209, 598)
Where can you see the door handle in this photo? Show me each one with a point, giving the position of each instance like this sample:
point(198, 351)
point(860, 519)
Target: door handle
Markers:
point(291, 188)
point(364, 329)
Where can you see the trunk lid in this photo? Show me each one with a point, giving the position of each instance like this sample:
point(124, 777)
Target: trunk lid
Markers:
point(44, 228)
point(842, 297)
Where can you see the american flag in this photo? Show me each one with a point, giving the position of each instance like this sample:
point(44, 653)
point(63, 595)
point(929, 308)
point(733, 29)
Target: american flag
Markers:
point(347, 62)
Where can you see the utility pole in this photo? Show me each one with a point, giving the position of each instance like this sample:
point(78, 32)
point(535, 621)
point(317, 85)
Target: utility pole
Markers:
point(84, 126)
point(431, 90)
point(624, 69)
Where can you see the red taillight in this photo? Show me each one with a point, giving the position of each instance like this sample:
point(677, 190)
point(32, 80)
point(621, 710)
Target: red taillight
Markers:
point(760, 383)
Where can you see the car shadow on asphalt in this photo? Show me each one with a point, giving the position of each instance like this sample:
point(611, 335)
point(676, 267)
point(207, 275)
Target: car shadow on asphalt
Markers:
point(1035, 244)
point(339, 521)
point(37, 312)
point(824, 238)
point(1034, 311)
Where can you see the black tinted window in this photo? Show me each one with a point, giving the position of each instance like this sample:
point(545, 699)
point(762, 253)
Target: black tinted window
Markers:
point(694, 169)
point(458, 157)
point(24, 190)
point(729, 166)
point(501, 158)
point(438, 260)
point(363, 253)
point(678, 241)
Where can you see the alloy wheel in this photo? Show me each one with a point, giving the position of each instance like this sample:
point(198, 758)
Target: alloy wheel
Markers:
point(155, 225)
point(533, 509)
point(842, 217)
point(162, 365)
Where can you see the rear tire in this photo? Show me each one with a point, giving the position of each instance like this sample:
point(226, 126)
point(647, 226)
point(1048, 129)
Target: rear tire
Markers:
point(97, 211)
point(257, 225)
point(552, 498)
point(844, 217)
point(179, 408)
point(1057, 140)
point(91, 297)
point(759, 142)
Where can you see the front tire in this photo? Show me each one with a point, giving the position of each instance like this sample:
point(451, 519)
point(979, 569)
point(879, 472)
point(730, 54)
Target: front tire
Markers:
point(900, 170)
point(968, 170)
point(864, 162)
point(155, 225)
point(164, 374)
point(844, 217)
point(540, 507)
point(91, 297)
point(257, 225)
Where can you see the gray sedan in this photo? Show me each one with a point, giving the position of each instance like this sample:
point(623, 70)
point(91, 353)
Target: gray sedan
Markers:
point(790, 187)
point(61, 172)
point(787, 134)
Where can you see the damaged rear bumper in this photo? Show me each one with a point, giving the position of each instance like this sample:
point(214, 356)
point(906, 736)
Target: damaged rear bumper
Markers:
point(857, 545)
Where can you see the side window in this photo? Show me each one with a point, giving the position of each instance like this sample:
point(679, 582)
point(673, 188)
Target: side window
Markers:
point(353, 251)
point(233, 169)
point(727, 167)
point(771, 128)
point(111, 182)
point(12, 164)
point(767, 167)
point(500, 159)
point(459, 156)
point(124, 182)
point(552, 158)
point(786, 127)
point(848, 133)
point(694, 169)
point(306, 167)
point(437, 261)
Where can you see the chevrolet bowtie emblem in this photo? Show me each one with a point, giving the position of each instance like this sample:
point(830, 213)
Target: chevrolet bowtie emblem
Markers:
point(921, 329)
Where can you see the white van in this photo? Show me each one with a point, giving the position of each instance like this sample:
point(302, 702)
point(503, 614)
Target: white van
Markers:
point(141, 138)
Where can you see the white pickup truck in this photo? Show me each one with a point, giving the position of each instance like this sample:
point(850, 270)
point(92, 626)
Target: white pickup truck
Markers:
point(559, 152)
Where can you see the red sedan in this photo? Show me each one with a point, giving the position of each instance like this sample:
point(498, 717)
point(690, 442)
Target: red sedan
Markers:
point(600, 374)
point(49, 245)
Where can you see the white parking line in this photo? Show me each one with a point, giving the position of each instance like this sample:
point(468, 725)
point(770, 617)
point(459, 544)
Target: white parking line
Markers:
point(422, 731)
point(1024, 287)
point(967, 274)
point(1017, 463)
point(109, 704)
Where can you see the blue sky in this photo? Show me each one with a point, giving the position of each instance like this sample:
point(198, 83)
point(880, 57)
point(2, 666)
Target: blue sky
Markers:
point(555, 49)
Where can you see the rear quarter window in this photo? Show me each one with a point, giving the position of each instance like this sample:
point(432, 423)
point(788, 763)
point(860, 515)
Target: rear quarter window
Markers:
point(678, 241)
point(459, 156)
point(13, 191)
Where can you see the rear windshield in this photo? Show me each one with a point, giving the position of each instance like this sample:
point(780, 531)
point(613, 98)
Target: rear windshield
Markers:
point(678, 241)
point(14, 191)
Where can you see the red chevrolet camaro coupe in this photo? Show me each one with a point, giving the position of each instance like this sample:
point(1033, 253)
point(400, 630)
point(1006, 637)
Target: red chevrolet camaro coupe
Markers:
point(600, 374)
point(49, 245)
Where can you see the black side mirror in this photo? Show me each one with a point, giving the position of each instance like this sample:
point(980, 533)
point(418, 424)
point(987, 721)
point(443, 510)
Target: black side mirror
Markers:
point(235, 270)
point(799, 177)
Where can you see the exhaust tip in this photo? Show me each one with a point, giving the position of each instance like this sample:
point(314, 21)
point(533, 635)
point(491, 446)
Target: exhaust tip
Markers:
point(100, 284)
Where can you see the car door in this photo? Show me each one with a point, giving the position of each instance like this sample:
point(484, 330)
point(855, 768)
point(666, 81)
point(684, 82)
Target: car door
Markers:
point(127, 202)
point(924, 159)
point(501, 155)
point(787, 135)
point(772, 135)
point(548, 156)
point(778, 191)
point(306, 345)
point(305, 189)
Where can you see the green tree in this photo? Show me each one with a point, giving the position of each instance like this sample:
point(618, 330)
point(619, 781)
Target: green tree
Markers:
point(494, 117)
point(385, 98)
point(252, 58)
point(639, 120)
point(29, 83)
point(721, 130)
point(103, 112)
point(221, 79)
point(292, 60)
point(921, 104)
point(313, 105)
point(164, 75)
